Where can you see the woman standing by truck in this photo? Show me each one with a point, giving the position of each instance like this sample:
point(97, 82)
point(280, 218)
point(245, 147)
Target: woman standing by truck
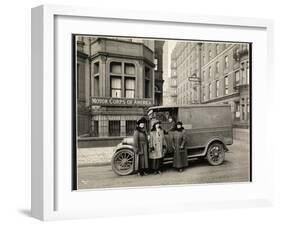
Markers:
point(157, 147)
point(140, 143)
point(178, 142)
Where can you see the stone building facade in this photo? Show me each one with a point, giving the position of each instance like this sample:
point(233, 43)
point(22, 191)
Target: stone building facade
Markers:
point(213, 73)
point(121, 78)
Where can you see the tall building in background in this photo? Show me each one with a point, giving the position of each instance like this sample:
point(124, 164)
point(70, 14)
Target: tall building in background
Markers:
point(212, 73)
point(117, 80)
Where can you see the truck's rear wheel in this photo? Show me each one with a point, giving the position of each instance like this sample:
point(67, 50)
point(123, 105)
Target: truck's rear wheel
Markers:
point(123, 162)
point(215, 154)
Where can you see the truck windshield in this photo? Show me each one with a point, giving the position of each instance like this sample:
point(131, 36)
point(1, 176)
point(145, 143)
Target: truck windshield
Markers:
point(163, 115)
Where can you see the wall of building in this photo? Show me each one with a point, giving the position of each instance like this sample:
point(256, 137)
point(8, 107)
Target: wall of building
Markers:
point(213, 73)
point(117, 68)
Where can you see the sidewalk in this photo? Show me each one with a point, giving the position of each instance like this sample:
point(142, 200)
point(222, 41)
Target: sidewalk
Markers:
point(100, 156)
point(94, 156)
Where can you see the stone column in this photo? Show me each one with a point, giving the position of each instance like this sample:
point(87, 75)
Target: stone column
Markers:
point(103, 86)
point(140, 80)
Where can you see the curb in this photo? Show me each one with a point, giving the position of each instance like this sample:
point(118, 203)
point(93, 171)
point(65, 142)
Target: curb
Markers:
point(81, 165)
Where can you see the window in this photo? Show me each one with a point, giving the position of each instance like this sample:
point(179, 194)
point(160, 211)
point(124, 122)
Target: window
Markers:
point(247, 73)
point(130, 87)
point(244, 74)
point(80, 81)
point(96, 67)
point(243, 111)
point(210, 91)
point(248, 109)
point(226, 85)
point(96, 86)
point(237, 78)
point(217, 88)
point(210, 54)
point(116, 87)
point(115, 68)
point(203, 60)
point(210, 72)
point(204, 74)
point(130, 127)
point(114, 128)
point(147, 88)
point(226, 64)
point(217, 67)
point(237, 110)
point(217, 49)
point(204, 93)
point(156, 64)
point(129, 69)
point(96, 128)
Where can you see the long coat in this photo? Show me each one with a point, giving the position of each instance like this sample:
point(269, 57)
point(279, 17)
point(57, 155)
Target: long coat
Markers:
point(180, 153)
point(141, 145)
point(157, 143)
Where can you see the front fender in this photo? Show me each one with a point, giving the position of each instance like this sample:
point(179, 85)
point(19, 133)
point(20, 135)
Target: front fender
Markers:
point(124, 146)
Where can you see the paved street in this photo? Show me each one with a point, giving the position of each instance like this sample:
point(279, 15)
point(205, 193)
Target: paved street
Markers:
point(235, 169)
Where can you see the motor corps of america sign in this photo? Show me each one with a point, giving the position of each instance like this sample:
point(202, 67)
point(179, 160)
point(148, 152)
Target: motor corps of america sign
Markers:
point(104, 101)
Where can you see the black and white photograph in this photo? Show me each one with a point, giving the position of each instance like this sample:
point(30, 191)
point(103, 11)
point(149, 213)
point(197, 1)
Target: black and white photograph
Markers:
point(156, 112)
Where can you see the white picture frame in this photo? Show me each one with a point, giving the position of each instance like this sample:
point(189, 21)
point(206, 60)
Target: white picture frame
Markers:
point(52, 197)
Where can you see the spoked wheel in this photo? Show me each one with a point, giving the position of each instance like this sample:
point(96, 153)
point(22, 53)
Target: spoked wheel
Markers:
point(123, 162)
point(215, 154)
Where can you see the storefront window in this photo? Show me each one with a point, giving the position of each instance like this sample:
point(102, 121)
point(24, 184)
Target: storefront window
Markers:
point(114, 128)
point(95, 128)
point(130, 127)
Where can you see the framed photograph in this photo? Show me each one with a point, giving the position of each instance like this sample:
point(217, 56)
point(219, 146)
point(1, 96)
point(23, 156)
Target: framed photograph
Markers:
point(136, 112)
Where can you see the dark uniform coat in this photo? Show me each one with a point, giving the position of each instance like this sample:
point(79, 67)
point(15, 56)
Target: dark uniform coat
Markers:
point(141, 145)
point(180, 154)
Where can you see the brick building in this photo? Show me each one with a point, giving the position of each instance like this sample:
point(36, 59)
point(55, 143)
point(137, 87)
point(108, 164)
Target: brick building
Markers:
point(117, 80)
point(212, 73)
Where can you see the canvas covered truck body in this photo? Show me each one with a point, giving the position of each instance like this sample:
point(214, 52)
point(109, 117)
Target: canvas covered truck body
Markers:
point(207, 132)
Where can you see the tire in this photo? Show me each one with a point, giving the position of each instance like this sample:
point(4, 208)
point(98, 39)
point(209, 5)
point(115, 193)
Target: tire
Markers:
point(123, 162)
point(215, 154)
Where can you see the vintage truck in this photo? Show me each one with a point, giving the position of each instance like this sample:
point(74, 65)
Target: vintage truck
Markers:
point(207, 130)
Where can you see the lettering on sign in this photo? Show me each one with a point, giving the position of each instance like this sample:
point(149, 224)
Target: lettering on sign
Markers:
point(121, 101)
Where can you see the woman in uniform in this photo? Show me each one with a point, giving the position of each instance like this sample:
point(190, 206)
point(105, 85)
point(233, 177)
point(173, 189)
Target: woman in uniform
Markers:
point(141, 145)
point(157, 147)
point(178, 142)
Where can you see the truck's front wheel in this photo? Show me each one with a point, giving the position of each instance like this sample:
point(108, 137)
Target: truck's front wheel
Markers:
point(215, 154)
point(123, 162)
